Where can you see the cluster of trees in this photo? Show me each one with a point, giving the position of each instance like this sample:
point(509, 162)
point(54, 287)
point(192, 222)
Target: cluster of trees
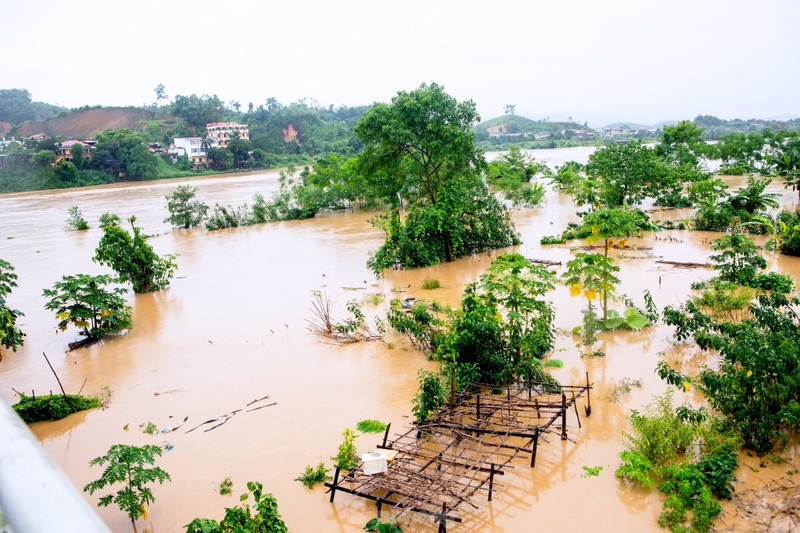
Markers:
point(95, 304)
point(16, 107)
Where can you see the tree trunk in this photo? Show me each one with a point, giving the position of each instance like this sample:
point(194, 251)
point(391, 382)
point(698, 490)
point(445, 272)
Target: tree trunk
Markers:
point(448, 247)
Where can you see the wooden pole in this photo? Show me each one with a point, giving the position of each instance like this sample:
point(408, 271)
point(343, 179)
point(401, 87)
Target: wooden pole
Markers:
point(66, 398)
point(588, 407)
point(563, 416)
point(535, 447)
point(335, 482)
point(386, 434)
point(491, 480)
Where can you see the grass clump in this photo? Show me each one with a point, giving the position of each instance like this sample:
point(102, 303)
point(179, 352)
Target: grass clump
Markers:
point(311, 476)
point(430, 284)
point(370, 426)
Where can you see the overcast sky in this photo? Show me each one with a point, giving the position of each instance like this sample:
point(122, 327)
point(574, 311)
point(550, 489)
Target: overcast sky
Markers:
point(594, 60)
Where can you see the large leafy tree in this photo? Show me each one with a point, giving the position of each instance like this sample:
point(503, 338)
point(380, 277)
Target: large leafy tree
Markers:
point(10, 334)
point(123, 151)
point(420, 151)
point(133, 259)
point(129, 466)
point(627, 173)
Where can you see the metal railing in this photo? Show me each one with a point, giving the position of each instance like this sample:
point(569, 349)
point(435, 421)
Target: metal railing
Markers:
point(35, 495)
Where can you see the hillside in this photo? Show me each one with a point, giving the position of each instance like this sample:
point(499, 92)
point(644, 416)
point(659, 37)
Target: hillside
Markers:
point(89, 122)
point(516, 124)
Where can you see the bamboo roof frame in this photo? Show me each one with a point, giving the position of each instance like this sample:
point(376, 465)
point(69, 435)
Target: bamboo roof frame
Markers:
point(443, 462)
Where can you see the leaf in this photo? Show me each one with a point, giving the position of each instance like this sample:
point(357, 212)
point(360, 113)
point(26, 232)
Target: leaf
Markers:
point(637, 321)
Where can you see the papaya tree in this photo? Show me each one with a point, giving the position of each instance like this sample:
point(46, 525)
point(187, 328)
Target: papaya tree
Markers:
point(10, 334)
point(130, 466)
point(83, 301)
point(606, 223)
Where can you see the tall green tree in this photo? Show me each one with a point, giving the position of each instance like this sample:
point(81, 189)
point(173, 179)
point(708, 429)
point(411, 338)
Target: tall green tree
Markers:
point(123, 151)
point(627, 173)
point(130, 466)
point(133, 259)
point(421, 152)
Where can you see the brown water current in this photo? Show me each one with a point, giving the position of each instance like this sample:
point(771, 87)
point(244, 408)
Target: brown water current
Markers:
point(232, 328)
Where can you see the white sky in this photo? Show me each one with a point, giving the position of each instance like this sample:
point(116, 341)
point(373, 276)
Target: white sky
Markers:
point(595, 60)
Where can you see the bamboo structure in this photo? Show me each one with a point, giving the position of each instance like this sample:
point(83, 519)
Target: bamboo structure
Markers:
point(445, 461)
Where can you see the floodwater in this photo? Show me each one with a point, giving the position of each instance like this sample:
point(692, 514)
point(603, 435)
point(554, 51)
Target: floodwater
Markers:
point(232, 328)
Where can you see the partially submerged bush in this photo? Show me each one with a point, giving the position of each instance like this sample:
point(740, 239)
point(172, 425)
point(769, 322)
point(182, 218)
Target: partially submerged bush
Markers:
point(52, 406)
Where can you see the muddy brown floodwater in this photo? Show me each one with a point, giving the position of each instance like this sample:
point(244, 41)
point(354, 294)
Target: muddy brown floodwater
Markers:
point(232, 328)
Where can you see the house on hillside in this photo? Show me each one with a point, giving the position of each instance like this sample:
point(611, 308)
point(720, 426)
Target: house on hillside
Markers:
point(191, 147)
point(64, 152)
point(222, 133)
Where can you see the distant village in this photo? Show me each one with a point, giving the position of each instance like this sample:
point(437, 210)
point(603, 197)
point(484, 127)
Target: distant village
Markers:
point(219, 135)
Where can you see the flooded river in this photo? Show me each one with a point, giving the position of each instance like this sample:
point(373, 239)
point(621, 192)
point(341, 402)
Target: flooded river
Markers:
point(232, 328)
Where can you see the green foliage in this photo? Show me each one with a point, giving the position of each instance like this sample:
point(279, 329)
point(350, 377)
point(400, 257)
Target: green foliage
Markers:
point(241, 519)
point(757, 383)
point(739, 260)
point(128, 465)
point(383, 527)
point(109, 219)
point(11, 336)
point(123, 151)
point(83, 301)
point(627, 173)
point(311, 476)
point(658, 433)
point(133, 259)
point(631, 318)
point(654, 456)
point(591, 471)
point(370, 426)
point(420, 324)
point(592, 274)
point(52, 406)
point(184, 210)
point(512, 173)
point(518, 287)
point(552, 239)
point(226, 486)
point(431, 395)
point(430, 284)
point(149, 428)
point(420, 150)
point(347, 456)
point(75, 221)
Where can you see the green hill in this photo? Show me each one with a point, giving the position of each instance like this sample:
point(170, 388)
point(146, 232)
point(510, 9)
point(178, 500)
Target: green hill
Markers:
point(517, 124)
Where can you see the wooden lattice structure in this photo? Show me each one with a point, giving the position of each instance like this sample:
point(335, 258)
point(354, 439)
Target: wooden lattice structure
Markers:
point(444, 462)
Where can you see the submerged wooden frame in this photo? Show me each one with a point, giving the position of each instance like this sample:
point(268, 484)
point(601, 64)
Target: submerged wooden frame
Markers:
point(444, 461)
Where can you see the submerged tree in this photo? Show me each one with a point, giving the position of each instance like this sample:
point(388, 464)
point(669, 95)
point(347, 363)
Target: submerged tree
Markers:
point(185, 211)
point(84, 301)
point(133, 259)
point(10, 334)
point(420, 151)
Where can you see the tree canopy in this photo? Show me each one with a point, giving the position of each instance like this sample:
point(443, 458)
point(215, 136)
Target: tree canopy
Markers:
point(420, 153)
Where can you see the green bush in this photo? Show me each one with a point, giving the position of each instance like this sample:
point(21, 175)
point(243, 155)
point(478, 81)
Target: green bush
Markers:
point(311, 476)
point(241, 518)
point(430, 284)
point(52, 406)
point(370, 426)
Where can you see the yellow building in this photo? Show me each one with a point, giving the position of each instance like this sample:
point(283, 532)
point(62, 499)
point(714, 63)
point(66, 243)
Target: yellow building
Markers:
point(221, 133)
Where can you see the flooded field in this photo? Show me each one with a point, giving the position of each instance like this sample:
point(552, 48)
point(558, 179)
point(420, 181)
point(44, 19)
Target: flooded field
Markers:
point(232, 328)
